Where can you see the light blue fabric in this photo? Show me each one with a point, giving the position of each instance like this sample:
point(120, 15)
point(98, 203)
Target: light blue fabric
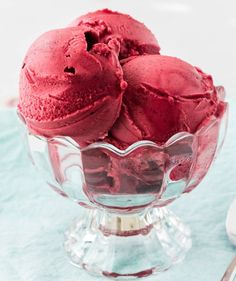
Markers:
point(33, 218)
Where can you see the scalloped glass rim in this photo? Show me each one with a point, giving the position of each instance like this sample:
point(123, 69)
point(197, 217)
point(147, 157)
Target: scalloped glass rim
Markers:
point(68, 141)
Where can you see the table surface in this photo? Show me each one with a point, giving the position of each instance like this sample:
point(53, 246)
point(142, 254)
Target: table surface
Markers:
point(33, 218)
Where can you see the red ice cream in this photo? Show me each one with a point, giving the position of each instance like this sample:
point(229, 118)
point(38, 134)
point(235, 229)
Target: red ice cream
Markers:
point(71, 87)
point(103, 79)
point(135, 38)
point(165, 95)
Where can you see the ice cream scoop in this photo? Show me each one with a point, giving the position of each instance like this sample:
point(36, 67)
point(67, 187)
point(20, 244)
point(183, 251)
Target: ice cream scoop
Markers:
point(165, 95)
point(134, 36)
point(69, 87)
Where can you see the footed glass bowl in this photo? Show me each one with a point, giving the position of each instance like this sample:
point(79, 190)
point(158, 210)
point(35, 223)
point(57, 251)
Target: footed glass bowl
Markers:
point(128, 232)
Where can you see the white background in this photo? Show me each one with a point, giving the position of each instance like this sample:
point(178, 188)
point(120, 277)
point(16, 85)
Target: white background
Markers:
point(202, 32)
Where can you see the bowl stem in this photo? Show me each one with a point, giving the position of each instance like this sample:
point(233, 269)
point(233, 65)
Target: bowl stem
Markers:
point(133, 245)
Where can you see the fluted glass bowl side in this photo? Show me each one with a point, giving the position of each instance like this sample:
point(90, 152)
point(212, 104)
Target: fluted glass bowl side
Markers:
point(141, 175)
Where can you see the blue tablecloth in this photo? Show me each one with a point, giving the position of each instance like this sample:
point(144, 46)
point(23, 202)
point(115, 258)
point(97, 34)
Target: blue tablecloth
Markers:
point(33, 218)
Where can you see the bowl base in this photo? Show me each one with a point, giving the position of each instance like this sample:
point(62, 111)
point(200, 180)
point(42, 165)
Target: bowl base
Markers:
point(125, 246)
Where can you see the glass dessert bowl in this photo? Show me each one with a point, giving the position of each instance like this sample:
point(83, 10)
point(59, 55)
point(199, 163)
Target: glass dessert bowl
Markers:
point(127, 231)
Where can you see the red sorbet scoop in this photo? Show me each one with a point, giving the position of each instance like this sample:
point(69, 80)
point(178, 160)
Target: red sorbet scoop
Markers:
point(134, 36)
point(165, 95)
point(70, 87)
